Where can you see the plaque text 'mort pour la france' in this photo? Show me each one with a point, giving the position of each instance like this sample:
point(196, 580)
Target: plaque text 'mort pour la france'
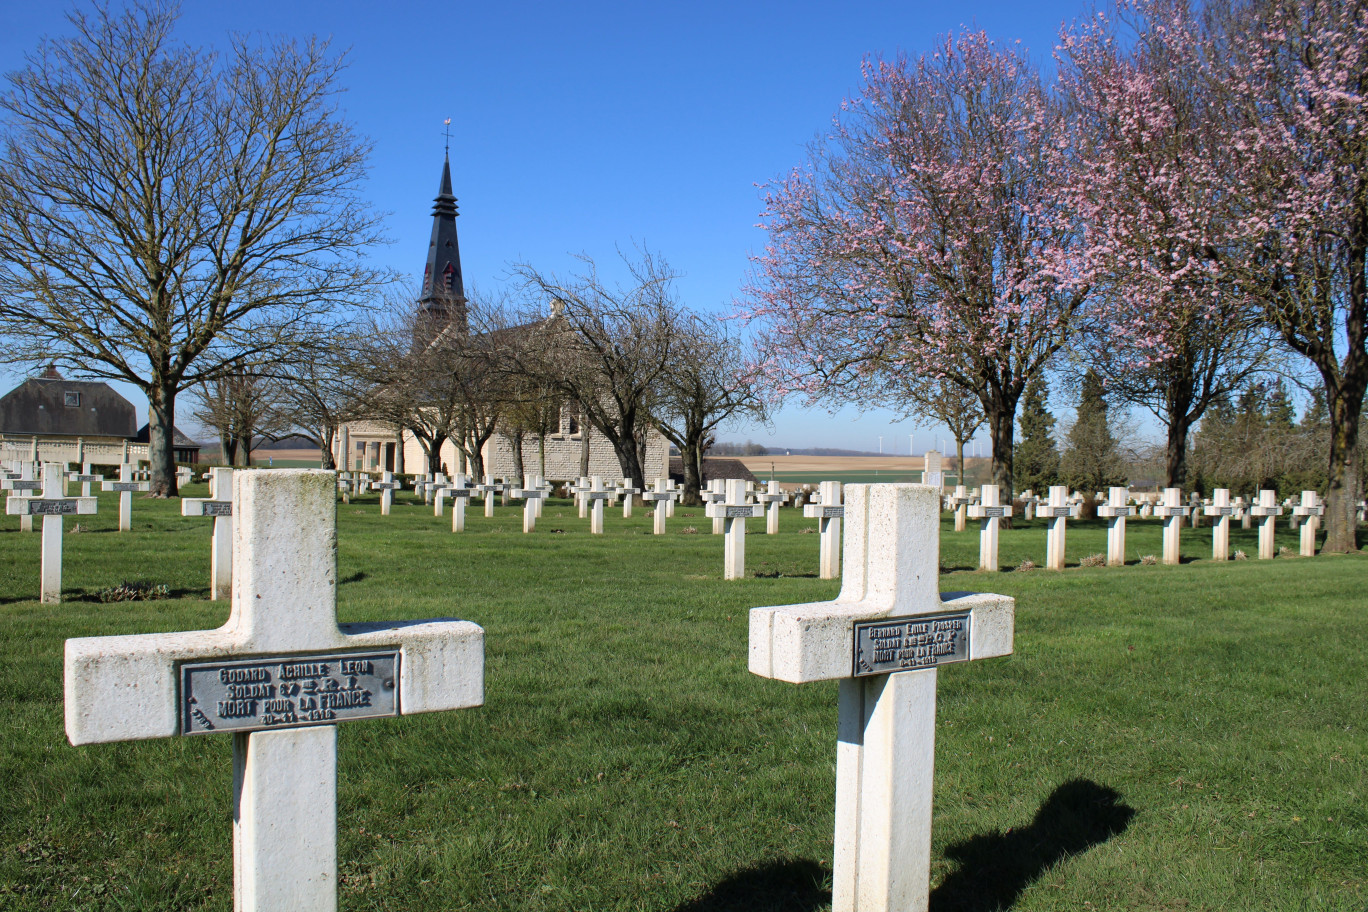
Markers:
point(287, 691)
point(910, 642)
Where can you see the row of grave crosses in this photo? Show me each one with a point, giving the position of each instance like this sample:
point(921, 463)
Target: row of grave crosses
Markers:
point(282, 673)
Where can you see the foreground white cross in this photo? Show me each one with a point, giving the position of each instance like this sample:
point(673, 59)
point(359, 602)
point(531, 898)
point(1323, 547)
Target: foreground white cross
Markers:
point(828, 512)
point(734, 511)
point(1310, 510)
point(989, 513)
point(531, 494)
point(1057, 511)
point(775, 498)
point(1115, 511)
point(220, 506)
point(1222, 509)
point(52, 506)
point(1172, 510)
point(126, 486)
point(278, 676)
point(883, 639)
point(660, 497)
point(1268, 510)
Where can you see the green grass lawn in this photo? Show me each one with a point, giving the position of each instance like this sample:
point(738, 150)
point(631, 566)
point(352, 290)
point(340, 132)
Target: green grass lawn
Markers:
point(1164, 738)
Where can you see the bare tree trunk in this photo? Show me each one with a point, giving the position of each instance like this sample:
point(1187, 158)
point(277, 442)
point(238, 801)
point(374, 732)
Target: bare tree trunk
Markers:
point(584, 448)
point(161, 421)
point(1001, 423)
point(541, 455)
point(329, 439)
point(515, 441)
point(399, 452)
point(242, 449)
point(1180, 424)
point(692, 457)
point(959, 459)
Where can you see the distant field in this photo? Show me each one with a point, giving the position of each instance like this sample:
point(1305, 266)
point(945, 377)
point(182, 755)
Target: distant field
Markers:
point(798, 470)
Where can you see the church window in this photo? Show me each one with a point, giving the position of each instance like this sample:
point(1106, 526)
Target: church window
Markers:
point(72, 400)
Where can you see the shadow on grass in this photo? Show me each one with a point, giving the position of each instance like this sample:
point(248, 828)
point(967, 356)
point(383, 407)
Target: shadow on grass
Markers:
point(994, 869)
point(354, 578)
point(775, 886)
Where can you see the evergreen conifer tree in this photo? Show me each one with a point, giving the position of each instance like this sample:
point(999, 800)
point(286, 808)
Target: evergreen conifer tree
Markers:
point(1091, 462)
point(1037, 459)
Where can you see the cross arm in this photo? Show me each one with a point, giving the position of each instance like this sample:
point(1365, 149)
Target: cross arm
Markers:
point(815, 641)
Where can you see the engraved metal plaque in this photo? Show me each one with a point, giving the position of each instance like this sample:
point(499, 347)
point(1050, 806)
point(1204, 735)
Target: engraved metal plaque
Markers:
point(910, 643)
point(51, 507)
point(734, 512)
point(833, 512)
point(287, 691)
point(990, 512)
point(25, 485)
point(125, 486)
point(217, 508)
point(1223, 511)
point(1057, 511)
point(75, 476)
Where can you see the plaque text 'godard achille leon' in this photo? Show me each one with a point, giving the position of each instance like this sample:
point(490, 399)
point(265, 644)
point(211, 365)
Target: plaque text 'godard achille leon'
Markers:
point(287, 691)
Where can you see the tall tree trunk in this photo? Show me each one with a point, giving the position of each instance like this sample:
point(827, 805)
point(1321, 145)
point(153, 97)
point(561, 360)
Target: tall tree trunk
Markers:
point(242, 449)
point(328, 463)
point(1001, 423)
point(1342, 494)
point(515, 442)
point(1180, 425)
point(161, 423)
point(959, 459)
point(541, 455)
point(692, 457)
point(584, 449)
point(399, 452)
point(227, 448)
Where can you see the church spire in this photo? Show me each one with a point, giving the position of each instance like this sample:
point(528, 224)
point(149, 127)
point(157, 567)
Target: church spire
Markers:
point(443, 298)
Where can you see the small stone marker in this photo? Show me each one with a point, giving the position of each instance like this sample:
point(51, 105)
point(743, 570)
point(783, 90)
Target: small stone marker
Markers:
point(660, 497)
point(734, 511)
point(386, 486)
point(1268, 511)
point(1172, 510)
point(279, 676)
point(530, 494)
point(989, 513)
point(883, 638)
point(1222, 509)
point(931, 470)
point(596, 496)
point(774, 498)
point(828, 511)
point(1310, 509)
point(126, 486)
point(1057, 511)
point(1115, 511)
point(220, 506)
point(52, 506)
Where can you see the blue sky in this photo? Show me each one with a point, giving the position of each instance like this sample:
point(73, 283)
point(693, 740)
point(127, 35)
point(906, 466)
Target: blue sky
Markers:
point(581, 128)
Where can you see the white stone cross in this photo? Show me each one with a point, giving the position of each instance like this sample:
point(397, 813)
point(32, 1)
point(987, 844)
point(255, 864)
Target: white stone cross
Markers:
point(628, 492)
point(1310, 509)
point(1057, 511)
point(774, 498)
point(1268, 510)
point(660, 497)
point(828, 511)
point(1028, 508)
point(1115, 511)
point(715, 491)
point(487, 492)
point(989, 513)
point(580, 491)
point(386, 486)
point(126, 486)
point(52, 506)
point(530, 493)
point(959, 501)
point(883, 639)
point(1242, 511)
point(734, 511)
point(23, 486)
point(279, 676)
point(220, 506)
point(1222, 509)
point(596, 496)
point(1172, 510)
point(670, 504)
point(85, 477)
point(931, 473)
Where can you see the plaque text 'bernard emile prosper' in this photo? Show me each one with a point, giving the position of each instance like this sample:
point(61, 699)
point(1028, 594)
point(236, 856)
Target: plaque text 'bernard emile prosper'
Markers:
point(910, 642)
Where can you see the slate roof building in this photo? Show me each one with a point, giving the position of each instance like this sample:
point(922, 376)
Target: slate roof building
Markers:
point(441, 306)
point(74, 421)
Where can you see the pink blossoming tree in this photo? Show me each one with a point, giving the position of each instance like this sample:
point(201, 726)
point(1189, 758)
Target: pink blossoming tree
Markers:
point(927, 237)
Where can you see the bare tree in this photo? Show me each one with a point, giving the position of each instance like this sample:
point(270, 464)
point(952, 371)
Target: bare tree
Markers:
point(318, 393)
point(243, 409)
point(606, 347)
point(707, 382)
point(167, 216)
point(943, 402)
